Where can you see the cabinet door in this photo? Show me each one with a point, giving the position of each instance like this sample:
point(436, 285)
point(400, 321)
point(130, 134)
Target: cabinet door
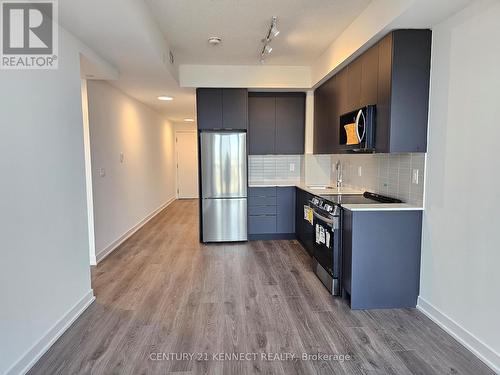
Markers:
point(290, 123)
point(303, 230)
point(343, 88)
point(354, 85)
point(333, 115)
point(299, 214)
point(262, 125)
point(209, 108)
point(286, 210)
point(262, 224)
point(384, 94)
point(320, 146)
point(369, 76)
point(234, 108)
point(324, 118)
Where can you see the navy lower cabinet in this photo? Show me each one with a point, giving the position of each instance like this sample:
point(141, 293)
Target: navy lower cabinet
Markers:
point(304, 231)
point(381, 258)
point(271, 213)
point(285, 220)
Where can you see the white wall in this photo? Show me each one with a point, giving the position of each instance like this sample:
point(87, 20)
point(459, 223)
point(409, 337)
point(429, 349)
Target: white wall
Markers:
point(133, 190)
point(460, 278)
point(250, 76)
point(45, 274)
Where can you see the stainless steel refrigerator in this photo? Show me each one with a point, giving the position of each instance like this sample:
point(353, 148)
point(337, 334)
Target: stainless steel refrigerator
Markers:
point(223, 186)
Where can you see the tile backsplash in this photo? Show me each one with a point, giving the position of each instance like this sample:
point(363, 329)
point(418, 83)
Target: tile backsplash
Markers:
point(275, 168)
point(387, 174)
point(317, 169)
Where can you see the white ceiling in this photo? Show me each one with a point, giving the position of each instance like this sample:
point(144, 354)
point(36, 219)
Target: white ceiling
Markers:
point(135, 36)
point(124, 33)
point(306, 27)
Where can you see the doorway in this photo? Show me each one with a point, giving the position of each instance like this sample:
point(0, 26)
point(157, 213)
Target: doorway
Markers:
point(186, 150)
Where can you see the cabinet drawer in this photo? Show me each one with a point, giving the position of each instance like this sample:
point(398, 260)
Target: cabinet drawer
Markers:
point(261, 201)
point(262, 210)
point(262, 224)
point(262, 191)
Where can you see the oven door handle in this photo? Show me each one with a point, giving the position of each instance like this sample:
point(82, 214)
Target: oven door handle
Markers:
point(325, 219)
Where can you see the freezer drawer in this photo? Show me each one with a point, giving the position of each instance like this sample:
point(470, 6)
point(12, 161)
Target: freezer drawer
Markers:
point(224, 220)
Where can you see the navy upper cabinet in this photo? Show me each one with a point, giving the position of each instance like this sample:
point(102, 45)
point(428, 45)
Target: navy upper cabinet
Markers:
point(209, 108)
point(234, 108)
point(221, 108)
point(369, 77)
point(290, 124)
point(276, 123)
point(403, 91)
point(354, 73)
point(261, 124)
point(393, 75)
point(326, 116)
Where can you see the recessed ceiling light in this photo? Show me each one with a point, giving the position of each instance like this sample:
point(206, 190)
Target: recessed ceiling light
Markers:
point(214, 40)
point(165, 98)
point(189, 119)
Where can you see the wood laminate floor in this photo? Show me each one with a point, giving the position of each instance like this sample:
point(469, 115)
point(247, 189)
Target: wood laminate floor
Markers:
point(163, 297)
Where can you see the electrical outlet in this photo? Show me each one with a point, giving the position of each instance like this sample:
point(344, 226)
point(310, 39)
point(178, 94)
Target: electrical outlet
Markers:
point(292, 167)
point(414, 177)
point(360, 171)
point(102, 172)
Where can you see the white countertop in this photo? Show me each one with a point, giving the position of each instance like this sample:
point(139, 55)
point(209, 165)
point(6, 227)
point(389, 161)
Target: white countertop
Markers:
point(382, 207)
point(339, 191)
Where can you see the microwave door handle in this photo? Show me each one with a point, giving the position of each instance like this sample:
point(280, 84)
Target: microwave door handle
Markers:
point(358, 117)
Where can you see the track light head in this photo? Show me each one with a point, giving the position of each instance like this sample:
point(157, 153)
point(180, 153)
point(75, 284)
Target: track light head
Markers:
point(274, 28)
point(268, 49)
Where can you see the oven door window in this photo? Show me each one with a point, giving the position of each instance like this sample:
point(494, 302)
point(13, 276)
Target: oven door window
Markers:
point(323, 245)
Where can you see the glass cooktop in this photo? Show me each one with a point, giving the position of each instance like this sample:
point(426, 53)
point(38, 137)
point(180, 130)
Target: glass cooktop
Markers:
point(348, 199)
point(366, 198)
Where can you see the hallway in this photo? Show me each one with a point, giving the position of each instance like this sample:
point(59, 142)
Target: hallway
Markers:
point(162, 292)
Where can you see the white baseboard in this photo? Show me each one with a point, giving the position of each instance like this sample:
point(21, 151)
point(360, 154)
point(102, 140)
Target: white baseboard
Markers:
point(462, 335)
point(114, 245)
point(26, 362)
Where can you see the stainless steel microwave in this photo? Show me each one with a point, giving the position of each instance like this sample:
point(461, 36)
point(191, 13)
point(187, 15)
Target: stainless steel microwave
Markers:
point(357, 130)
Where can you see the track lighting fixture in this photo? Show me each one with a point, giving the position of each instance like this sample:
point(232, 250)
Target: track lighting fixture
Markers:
point(272, 32)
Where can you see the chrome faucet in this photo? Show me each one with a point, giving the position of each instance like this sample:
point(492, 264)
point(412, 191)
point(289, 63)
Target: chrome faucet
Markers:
point(338, 167)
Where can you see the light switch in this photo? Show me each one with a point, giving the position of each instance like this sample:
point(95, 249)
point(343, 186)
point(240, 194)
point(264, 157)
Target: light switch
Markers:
point(414, 177)
point(292, 167)
point(102, 172)
point(121, 157)
point(360, 171)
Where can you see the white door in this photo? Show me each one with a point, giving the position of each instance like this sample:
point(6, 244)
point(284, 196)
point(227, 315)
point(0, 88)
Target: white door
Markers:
point(187, 164)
